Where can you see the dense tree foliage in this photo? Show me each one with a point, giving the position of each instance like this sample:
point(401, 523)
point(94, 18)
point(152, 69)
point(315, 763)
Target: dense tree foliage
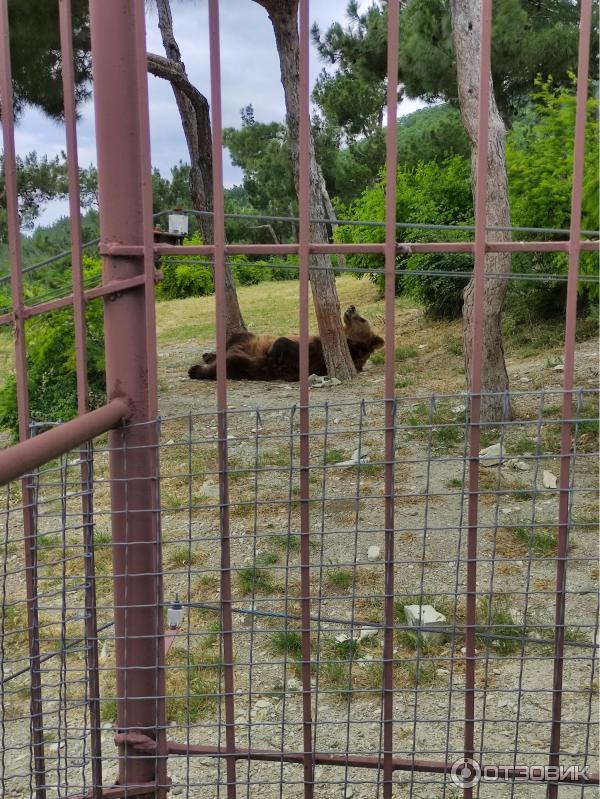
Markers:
point(51, 361)
point(34, 40)
point(540, 165)
point(528, 38)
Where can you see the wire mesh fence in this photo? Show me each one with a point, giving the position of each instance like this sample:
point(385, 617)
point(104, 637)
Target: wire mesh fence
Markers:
point(515, 602)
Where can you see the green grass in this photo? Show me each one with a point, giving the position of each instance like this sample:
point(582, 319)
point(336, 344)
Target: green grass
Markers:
point(494, 619)
point(179, 557)
point(286, 542)
point(335, 456)
point(403, 381)
point(286, 643)
point(541, 543)
point(447, 426)
point(454, 482)
point(341, 578)
point(256, 581)
point(455, 346)
point(400, 354)
point(521, 444)
point(267, 559)
point(102, 539)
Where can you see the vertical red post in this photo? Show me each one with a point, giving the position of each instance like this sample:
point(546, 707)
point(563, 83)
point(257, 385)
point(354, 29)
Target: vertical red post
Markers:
point(91, 626)
point(476, 362)
point(29, 495)
point(118, 55)
point(304, 421)
point(567, 407)
point(221, 334)
point(389, 393)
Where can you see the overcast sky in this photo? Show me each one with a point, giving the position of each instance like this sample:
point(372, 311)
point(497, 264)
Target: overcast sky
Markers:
point(249, 72)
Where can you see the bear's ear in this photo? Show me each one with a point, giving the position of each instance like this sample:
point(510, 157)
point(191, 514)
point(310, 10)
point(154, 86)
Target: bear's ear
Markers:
point(377, 342)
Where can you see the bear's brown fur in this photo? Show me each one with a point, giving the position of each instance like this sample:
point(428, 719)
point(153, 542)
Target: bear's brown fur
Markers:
point(251, 357)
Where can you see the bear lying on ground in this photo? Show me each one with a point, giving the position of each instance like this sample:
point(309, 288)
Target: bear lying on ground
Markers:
point(251, 357)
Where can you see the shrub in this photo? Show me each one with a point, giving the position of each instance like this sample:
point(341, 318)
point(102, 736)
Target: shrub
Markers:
point(51, 363)
point(184, 279)
point(51, 368)
point(540, 165)
point(432, 193)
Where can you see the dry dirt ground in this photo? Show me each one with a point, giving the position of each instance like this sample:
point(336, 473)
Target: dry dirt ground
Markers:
point(516, 570)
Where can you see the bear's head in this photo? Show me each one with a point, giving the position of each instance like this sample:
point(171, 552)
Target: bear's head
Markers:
point(362, 341)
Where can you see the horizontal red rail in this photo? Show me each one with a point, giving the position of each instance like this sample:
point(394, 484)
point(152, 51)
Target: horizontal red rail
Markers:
point(146, 745)
point(21, 458)
point(112, 287)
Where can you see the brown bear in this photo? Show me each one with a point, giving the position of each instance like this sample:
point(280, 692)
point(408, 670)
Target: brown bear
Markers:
point(251, 357)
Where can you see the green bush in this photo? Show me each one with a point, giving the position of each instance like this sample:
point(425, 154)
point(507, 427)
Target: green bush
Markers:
point(432, 193)
point(539, 155)
point(441, 297)
point(184, 279)
point(51, 369)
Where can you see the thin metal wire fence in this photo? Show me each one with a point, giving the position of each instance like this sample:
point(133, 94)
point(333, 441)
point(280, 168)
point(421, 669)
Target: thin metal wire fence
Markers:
point(317, 599)
point(515, 599)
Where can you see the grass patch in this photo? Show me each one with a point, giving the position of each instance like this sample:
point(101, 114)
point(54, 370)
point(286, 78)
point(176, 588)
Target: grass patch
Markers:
point(286, 542)
point(334, 456)
point(267, 559)
point(455, 346)
point(400, 354)
point(179, 557)
point(286, 643)
point(341, 578)
point(494, 619)
point(541, 543)
point(403, 381)
point(255, 581)
point(415, 674)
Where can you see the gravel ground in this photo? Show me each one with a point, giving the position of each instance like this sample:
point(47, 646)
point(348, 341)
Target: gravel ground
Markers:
point(515, 576)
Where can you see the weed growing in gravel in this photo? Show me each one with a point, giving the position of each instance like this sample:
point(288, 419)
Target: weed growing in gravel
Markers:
point(286, 643)
point(341, 578)
point(256, 581)
point(541, 543)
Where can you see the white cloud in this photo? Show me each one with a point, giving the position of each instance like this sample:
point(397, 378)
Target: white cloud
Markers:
point(249, 70)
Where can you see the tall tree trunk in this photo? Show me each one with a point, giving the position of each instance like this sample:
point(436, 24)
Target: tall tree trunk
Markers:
point(195, 120)
point(466, 30)
point(283, 15)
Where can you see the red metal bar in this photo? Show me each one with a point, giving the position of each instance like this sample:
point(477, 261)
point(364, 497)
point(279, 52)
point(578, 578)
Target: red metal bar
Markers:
point(122, 163)
point(357, 761)
point(221, 335)
point(304, 145)
point(27, 455)
point(567, 406)
point(29, 495)
point(91, 625)
point(387, 698)
point(152, 377)
point(476, 365)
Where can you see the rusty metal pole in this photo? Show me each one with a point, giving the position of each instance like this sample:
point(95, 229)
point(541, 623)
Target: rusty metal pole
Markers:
point(38, 763)
point(122, 163)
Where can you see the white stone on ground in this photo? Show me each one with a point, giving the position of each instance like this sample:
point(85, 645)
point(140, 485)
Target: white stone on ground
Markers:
point(425, 616)
point(548, 479)
point(373, 553)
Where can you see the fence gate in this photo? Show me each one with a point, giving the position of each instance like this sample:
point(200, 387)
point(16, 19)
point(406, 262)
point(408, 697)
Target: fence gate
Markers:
point(220, 604)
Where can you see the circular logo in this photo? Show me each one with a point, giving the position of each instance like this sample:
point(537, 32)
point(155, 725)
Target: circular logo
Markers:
point(465, 773)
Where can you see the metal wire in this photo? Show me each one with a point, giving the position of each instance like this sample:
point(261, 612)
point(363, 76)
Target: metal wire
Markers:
point(514, 627)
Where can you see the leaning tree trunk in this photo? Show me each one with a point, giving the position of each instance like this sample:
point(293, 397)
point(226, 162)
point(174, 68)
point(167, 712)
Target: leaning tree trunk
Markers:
point(466, 30)
point(283, 15)
point(195, 120)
